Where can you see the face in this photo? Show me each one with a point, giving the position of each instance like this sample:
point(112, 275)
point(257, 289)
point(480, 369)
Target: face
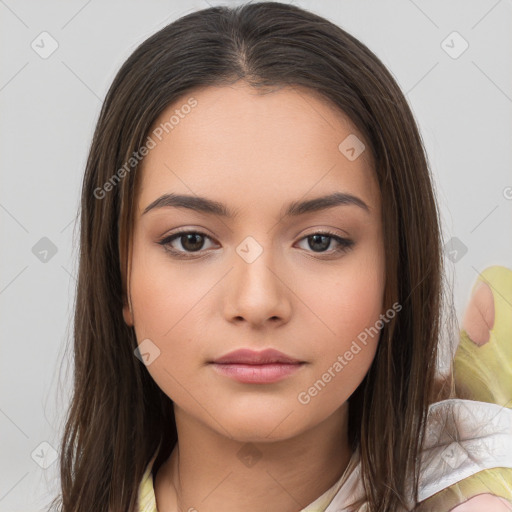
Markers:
point(250, 272)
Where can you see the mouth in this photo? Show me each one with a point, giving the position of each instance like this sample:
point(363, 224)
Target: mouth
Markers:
point(248, 356)
point(249, 366)
point(257, 373)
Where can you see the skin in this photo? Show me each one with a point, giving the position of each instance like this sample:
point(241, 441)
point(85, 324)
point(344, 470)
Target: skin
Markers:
point(255, 153)
point(487, 502)
point(479, 317)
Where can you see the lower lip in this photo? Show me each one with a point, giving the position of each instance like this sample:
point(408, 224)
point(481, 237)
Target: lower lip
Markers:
point(257, 373)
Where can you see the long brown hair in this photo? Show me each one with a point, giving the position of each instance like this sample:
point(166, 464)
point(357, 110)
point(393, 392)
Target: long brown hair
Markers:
point(118, 416)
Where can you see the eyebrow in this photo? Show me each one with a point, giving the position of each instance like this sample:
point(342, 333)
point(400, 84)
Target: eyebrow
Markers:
point(293, 209)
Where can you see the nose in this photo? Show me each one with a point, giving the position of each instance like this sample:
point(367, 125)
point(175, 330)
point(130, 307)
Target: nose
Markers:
point(258, 291)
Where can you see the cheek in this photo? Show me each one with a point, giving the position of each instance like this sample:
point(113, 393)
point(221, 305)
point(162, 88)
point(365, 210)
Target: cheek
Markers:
point(345, 326)
point(162, 294)
point(347, 301)
point(159, 295)
point(164, 304)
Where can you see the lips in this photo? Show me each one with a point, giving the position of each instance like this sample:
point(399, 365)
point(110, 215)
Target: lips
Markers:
point(250, 367)
point(247, 356)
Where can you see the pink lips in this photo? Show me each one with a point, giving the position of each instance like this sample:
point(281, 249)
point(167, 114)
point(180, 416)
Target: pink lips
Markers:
point(263, 367)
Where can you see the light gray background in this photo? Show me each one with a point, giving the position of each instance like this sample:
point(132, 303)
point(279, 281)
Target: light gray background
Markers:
point(49, 108)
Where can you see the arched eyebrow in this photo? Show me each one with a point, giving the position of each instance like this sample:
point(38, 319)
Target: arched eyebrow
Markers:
point(293, 209)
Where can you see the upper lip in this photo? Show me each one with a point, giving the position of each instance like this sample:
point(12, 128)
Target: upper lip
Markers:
point(248, 356)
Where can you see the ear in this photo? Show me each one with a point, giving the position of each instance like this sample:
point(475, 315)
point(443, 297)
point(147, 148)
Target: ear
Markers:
point(127, 312)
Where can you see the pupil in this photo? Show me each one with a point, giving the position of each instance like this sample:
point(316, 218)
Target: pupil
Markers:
point(323, 245)
point(191, 237)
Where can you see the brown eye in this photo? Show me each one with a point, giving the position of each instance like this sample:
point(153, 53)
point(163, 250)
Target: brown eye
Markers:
point(190, 241)
point(319, 242)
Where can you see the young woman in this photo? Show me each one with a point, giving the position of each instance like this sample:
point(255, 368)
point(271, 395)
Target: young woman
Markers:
point(260, 286)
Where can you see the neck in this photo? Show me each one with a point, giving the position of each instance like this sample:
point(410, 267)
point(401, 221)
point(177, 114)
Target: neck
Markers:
point(207, 472)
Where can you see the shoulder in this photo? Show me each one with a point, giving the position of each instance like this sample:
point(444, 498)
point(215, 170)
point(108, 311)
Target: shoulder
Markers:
point(465, 463)
point(467, 454)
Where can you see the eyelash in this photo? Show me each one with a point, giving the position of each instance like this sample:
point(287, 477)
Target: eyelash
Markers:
point(344, 244)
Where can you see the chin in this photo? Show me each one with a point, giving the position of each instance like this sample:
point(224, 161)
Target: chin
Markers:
point(262, 428)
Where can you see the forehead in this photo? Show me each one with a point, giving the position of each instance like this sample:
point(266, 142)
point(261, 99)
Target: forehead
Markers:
point(255, 150)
